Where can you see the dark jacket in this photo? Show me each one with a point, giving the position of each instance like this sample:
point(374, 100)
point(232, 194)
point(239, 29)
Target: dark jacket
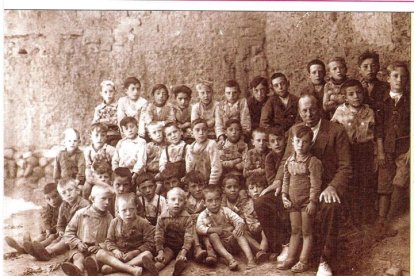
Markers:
point(275, 114)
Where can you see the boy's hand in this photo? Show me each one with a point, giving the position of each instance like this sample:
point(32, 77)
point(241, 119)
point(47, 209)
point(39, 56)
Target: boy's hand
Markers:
point(218, 230)
point(286, 202)
point(381, 159)
point(239, 166)
point(311, 208)
point(129, 256)
point(182, 255)
point(238, 231)
point(221, 142)
point(160, 257)
point(82, 247)
point(93, 249)
point(118, 254)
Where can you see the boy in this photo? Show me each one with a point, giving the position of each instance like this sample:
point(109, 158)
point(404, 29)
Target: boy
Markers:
point(152, 204)
point(132, 104)
point(224, 228)
point(393, 178)
point(130, 152)
point(98, 152)
point(232, 107)
point(49, 215)
point(122, 184)
point(277, 143)
point(280, 109)
point(234, 150)
point(203, 155)
point(255, 158)
point(316, 70)
point(72, 201)
point(86, 230)
point(174, 233)
point(130, 241)
point(70, 162)
point(182, 109)
point(106, 112)
point(206, 107)
point(169, 178)
point(155, 147)
point(332, 96)
point(259, 91)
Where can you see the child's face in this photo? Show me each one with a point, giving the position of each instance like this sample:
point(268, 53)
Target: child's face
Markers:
point(337, 70)
point(212, 201)
point(147, 189)
point(53, 199)
point(200, 132)
point(101, 201)
point(254, 190)
point(196, 190)
point(173, 135)
point(108, 94)
point(233, 133)
point(277, 143)
point(260, 141)
point(69, 193)
point(354, 96)
point(160, 97)
point(103, 177)
point(175, 202)
point(369, 69)
point(98, 139)
point(130, 130)
point(127, 211)
point(156, 134)
point(133, 91)
point(206, 95)
point(171, 183)
point(122, 185)
point(280, 86)
point(182, 99)
point(398, 79)
point(259, 92)
point(231, 94)
point(231, 189)
point(71, 141)
point(302, 145)
point(316, 74)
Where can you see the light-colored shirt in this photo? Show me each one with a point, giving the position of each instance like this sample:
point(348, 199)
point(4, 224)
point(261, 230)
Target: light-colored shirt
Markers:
point(224, 217)
point(208, 113)
point(315, 130)
point(130, 153)
point(238, 110)
point(152, 113)
point(130, 108)
point(175, 154)
point(151, 205)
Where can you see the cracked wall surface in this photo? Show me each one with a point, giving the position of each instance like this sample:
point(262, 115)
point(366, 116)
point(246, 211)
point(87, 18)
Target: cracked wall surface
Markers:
point(55, 60)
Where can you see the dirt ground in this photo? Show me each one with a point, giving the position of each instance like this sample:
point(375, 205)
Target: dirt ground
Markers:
point(374, 258)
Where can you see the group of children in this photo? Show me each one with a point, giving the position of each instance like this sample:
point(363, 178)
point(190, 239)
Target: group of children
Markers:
point(162, 181)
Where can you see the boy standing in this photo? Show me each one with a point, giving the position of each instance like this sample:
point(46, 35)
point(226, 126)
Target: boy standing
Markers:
point(317, 72)
point(255, 158)
point(182, 110)
point(259, 91)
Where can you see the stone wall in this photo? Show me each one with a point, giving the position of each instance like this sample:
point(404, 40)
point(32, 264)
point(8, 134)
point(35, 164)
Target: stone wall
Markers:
point(55, 60)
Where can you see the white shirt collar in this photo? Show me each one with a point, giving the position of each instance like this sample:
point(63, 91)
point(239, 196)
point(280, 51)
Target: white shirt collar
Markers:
point(315, 130)
point(395, 96)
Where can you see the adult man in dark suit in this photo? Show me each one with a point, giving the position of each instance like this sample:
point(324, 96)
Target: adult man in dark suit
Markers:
point(331, 146)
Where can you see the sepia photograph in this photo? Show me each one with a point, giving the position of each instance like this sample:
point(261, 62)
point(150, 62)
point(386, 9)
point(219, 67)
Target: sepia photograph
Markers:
point(206, 142)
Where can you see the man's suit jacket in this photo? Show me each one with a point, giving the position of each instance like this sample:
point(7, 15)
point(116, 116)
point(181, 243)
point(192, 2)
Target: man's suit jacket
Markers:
point(332, 148)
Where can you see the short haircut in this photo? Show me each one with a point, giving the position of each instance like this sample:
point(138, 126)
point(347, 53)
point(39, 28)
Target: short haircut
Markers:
point(158, 87)
point(49, 188)
point(257, 81)
point(256, 179)
point(311, 96)
point(182, 89)
point(198, 121)
point(108, 83)
point(301, 131)
point(397, 64)
point(126, 197)
point(229, 177)
point(155, 124)
point(146, 176)
point(211, 189)
point(181, 193)
point(278, 75)
point(368, 54)
point(337, 59)
point(195, 177)
point(123, 173)
point(315, 62)
point(232, 83)
point(66, 182)
point(101, 167)
point(204, 84)
point(351, 83)
point(99, 127)
point(170, 124)
point(99, 189)
point(232, 121)
point(71, 131)
point(131, 80)
point(276, 131)
point(127, 120)
point(259, 130)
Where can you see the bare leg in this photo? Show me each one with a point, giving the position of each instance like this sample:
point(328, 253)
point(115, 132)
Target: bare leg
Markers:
point(108, 258)
point(384, 206)
point(58, 248)
point(78, 259)
point(307, 232)
point(244, 244)
point(49, 240)
point(138, 259)
point(255, 246)
point(294, 243)
point(264, 244)
point(219, 247)
point(168, 256)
